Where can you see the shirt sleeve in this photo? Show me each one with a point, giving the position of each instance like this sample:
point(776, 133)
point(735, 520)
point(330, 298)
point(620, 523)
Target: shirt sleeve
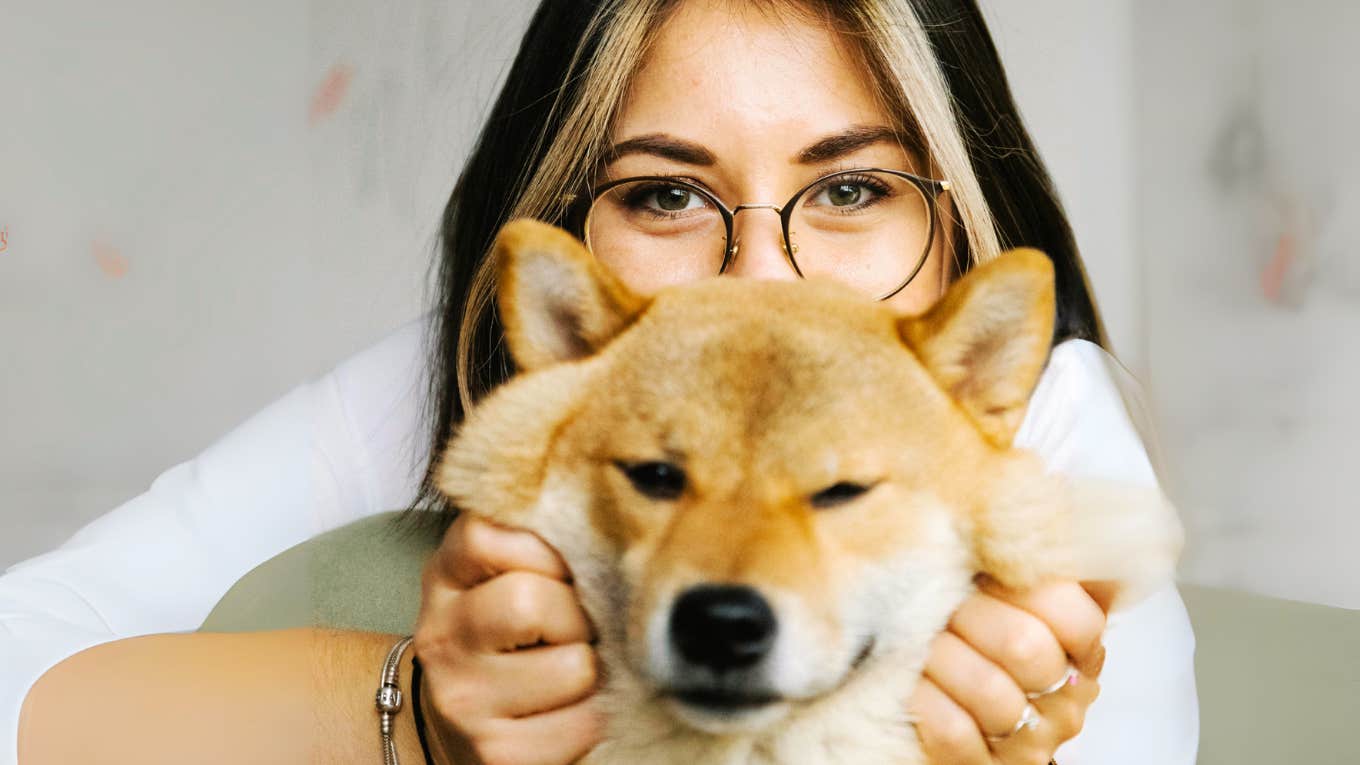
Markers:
point(1085, 419)
point(327, 452)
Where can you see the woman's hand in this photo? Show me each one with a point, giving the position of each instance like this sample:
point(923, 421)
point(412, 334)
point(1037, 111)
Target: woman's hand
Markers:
point(505, 648)
point(999, 646)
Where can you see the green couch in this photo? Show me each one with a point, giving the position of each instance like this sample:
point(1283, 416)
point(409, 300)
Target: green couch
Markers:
point(1279, 681)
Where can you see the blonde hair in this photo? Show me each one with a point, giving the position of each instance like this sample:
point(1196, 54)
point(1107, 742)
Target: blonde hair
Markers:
point(887, 34)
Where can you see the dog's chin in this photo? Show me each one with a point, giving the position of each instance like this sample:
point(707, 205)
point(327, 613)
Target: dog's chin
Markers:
point(723, 713)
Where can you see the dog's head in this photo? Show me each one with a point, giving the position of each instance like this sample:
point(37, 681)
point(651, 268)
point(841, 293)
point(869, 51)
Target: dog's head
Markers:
point(758, 485)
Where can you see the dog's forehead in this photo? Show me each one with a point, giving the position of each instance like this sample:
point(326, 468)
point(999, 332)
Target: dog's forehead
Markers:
point(727, 357)
point(722, 330)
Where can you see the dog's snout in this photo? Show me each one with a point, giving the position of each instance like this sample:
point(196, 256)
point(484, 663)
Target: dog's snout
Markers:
point(722, 627)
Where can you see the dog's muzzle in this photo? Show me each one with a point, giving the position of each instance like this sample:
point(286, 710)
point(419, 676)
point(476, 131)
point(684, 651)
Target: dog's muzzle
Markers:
point(722, 627)
point(723, 665)
point(720, 634)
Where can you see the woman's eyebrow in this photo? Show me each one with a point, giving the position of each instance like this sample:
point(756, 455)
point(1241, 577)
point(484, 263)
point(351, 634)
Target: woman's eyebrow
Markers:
point(664, 146)
point(847, 141)
point(824, 149)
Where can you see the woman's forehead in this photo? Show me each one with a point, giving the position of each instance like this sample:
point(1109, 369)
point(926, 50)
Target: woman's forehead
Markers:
point(741, 80)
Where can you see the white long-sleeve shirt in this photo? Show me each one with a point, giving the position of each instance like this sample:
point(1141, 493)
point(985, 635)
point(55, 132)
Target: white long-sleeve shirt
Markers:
point(351, 444)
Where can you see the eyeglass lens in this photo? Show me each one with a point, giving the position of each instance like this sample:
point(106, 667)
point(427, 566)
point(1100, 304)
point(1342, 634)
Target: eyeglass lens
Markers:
point(865, 228)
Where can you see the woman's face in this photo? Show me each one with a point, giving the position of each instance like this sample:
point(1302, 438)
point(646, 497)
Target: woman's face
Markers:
point(753, 106)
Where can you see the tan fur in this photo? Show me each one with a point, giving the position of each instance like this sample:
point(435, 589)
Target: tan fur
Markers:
point(766, 393)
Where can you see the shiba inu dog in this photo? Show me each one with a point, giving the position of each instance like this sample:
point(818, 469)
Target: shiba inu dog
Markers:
point(773, 495)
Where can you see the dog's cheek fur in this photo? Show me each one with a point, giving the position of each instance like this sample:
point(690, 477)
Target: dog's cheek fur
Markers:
point(903, 601)
point(1035, 526)
point(646, 620)
point(592, 557)
point(1122, 532)
point(906, 599)
point(499, 466)
point(497, 460)
point(901, 551)
point(809, 654)
point(1021, 529)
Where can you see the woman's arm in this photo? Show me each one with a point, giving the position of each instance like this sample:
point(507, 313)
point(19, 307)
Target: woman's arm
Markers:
point(331, 450)
point(287, 696)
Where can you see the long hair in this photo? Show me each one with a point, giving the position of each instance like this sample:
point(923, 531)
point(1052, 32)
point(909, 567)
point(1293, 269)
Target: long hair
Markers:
point(936, 70)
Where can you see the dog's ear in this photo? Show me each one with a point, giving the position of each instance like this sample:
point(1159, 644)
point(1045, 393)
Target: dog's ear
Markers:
point(557, 303)
point(986, 341)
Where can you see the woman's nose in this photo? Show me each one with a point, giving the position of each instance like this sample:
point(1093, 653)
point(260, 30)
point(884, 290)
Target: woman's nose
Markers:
point(758, 239)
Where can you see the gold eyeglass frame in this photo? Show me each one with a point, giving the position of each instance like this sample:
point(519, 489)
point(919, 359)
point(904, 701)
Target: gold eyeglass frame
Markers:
point(930, 188)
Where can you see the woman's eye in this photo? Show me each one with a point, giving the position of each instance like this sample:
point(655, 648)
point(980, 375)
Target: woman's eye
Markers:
point(665, 199)
point(674, 199)
point(658, 480)
point(838, 494)
point(842, 194)
point(850, 194)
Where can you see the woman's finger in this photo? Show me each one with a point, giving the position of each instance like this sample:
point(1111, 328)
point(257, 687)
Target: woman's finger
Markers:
point(538, 680)
point(1032, 745)
point(1103, 593)
point(1012, 638)
point(558, 737)
point(977, 685)
point(1060, 717)
point(1065, 710)
point(948, 733)
point(521, 609)
point(1070, 613)
point(475, 550)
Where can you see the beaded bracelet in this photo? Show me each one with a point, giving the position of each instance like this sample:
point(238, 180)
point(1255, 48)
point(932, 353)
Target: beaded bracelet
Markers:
point(388, 699)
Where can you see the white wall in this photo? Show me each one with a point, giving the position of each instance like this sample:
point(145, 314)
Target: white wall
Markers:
point(1071, 71)
point(1249, 205)
point(184, 243)
point(1249, 356)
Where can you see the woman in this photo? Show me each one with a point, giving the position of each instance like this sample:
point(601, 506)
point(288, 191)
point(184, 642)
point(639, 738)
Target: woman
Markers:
point(745, 103)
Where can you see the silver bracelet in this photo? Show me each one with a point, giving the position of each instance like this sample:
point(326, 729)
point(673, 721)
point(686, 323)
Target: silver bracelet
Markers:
point(388, 698)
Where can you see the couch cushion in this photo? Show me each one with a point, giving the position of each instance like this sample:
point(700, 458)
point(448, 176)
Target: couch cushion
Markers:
point(1279, 681)
point(363, 576)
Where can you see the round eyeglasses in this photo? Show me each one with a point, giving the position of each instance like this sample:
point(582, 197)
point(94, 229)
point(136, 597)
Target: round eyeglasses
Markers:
point(870, 228)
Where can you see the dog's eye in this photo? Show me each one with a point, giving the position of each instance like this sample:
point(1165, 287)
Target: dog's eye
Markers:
point(658, 480)
point(838, 494)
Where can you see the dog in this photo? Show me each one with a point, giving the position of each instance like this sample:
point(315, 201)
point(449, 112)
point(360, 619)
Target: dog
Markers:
point(773, 495)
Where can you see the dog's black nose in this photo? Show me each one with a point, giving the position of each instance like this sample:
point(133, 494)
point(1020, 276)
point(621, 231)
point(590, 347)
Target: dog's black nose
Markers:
point(722, 626)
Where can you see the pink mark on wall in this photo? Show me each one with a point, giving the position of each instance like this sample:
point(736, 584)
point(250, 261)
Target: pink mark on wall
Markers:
point(4, 238)
point(110, 261)
point(330, 93)
point(1273, 275)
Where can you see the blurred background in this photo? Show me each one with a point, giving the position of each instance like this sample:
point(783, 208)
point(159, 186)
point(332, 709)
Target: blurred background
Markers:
point(204, 204)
